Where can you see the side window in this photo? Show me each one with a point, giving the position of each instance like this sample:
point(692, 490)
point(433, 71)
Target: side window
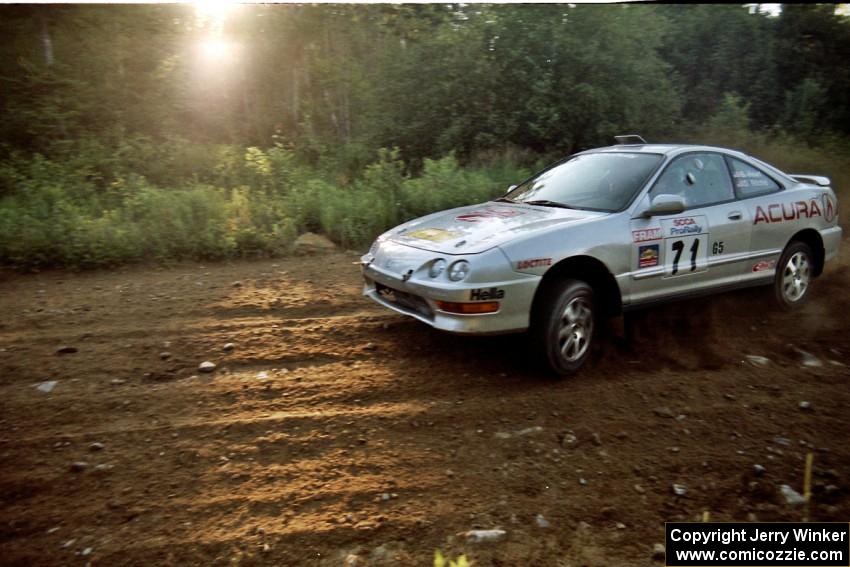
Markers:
point(702, 179)
point(749, 181)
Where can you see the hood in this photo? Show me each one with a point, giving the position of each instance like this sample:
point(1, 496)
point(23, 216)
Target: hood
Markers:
point(476, 228)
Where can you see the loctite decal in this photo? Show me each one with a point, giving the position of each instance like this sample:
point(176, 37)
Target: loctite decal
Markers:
point(489, 213)
point(533, 263)
point(781, 212)
point(646, 234)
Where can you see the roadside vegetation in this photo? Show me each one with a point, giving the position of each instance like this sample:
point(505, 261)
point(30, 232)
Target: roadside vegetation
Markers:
point(135, 133)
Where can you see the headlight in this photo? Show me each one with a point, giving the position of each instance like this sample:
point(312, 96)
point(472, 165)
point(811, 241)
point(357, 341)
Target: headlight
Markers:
point(437, 267)
point(458, 270)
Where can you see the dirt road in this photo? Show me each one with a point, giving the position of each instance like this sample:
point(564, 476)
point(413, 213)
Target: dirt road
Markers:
point(334, 428)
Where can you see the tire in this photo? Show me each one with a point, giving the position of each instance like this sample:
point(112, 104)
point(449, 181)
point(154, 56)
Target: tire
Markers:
point(794, 275)
point(564, 325)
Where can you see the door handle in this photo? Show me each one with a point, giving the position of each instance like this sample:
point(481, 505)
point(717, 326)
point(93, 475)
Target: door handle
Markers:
point(735, 215)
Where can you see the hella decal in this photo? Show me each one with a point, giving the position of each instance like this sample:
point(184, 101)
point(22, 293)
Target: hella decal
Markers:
point(486, 294)
point(788, 212)
point(646, 234)
point(533, 263)
point(648, 256)
point(764, 265)
point(489, 213)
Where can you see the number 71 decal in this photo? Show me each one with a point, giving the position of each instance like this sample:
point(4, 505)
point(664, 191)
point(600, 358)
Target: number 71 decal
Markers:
point(686, 255)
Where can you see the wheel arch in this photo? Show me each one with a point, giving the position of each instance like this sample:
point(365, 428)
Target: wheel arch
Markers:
point(590, 270)
point(813, 239)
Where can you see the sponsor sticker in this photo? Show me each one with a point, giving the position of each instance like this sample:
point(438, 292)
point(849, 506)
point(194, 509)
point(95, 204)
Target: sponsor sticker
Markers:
point(828, 208)
point(486, 294)
point(433, 234)
point(646, 234)
point(684, 226)
point(781, 212)
point(764, 265)
point(533, 263)
point(648, 256)
point(489, 213)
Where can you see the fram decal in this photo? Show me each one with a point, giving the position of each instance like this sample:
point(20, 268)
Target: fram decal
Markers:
point(764, 265)
point(533, 263)
point(646, 234)
point(648, 256)
point(486, 294)
point(781, 212)
point(433, 234)
point(828, 208)
point(489, 213)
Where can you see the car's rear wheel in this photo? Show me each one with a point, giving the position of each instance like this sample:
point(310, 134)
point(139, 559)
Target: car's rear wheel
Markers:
point(794, 275)
point(564, 325)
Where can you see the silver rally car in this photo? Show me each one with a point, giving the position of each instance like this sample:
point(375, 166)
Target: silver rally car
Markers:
point(602, 232)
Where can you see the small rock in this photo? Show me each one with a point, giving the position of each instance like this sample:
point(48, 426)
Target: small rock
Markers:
point(352, 560)
point(236, 284)
point(370, 346)
point(79, 466)
point(485, 536)
point(792, 497)
point(86, 551)
point(664, 412)
point(597, 440)
point(751, 517)
point(103, 467)
point(658, 552)
point(808, 359)
point(229, 346)
point(782, 441)
point(758, 361)
point(262, 375)
point(47, 386)
point(804, 405)
point(117, 381)
point(542, 522)
point(266, 548)
point(66, 350)
point(758, 470)
point(582, 481)
point(385, 496)
point(620, 525)
point(206, 366)
point(96, 446)
point(639, 489)
point(164, 355)
point(680, 489)
point(569, 440)
point(530, 431)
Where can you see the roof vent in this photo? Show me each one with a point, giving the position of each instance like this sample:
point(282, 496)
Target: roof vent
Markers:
point(629, 139)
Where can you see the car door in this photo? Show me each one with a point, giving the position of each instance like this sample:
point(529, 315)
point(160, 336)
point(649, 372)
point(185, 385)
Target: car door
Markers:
point(704, 246)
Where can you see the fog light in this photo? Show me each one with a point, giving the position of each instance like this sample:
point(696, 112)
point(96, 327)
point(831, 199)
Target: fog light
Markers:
point(468, 308)
point(458, 270)
point(437, 267)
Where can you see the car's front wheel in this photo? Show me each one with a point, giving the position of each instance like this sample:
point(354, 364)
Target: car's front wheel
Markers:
point(794, 275)
point(564, 325)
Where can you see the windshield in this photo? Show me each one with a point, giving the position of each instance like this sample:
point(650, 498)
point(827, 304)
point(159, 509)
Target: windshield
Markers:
point(597, 182)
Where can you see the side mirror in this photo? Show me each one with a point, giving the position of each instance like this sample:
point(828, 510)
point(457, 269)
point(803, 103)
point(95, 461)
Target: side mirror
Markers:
point(665, 205)
point(511, 188)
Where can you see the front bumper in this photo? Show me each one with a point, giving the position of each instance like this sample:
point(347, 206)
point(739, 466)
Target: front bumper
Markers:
point(416, 295)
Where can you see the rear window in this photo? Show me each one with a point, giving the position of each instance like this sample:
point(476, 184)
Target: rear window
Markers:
point(750, 181)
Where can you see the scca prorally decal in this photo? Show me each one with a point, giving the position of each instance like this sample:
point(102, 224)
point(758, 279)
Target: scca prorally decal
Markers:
point(781, 212)
point(486, 294)
point(648, 256)
point(646, 234)
point(489, 213)
point(828, 208)
point(533, 263)
point(685, 225)
point(764, 265)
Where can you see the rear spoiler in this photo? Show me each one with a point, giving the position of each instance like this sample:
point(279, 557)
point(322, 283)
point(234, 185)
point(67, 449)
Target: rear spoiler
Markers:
point(814, 179)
